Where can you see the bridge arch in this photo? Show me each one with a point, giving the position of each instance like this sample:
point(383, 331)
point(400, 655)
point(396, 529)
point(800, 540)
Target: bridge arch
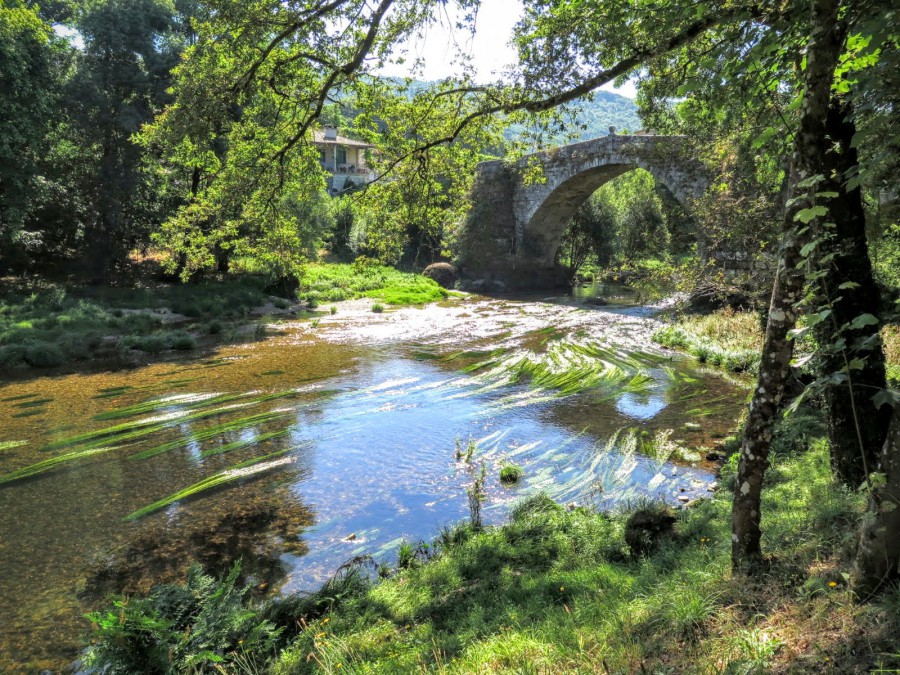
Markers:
point(514, 227)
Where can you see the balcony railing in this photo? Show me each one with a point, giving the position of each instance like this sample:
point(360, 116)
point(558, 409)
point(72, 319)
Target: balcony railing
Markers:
point(349, 169)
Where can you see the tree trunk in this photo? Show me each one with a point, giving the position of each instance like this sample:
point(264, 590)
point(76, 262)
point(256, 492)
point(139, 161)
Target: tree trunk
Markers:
point(856, 428)
point(808, 161)
point(878, 557)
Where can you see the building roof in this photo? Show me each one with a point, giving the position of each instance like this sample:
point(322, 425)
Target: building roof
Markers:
point(319, 139)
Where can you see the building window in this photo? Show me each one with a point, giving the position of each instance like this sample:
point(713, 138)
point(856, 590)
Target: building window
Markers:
point(341, 155)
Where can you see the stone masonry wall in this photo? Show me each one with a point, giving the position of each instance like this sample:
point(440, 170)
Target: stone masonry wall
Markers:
point(514, 227)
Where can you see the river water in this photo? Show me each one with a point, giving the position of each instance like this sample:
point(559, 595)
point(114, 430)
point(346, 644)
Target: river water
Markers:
point(357, 418)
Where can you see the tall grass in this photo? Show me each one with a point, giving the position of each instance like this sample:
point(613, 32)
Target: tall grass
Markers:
point(726, 338)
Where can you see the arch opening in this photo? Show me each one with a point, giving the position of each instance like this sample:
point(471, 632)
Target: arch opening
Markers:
point(629, 218)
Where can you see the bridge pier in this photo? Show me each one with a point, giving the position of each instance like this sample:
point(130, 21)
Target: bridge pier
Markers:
point(520, 209)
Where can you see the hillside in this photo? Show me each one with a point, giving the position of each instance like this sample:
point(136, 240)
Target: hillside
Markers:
point(605, 110)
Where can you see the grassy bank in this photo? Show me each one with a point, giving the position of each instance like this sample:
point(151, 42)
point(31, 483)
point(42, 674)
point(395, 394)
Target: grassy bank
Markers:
point(46, 325)
point(335, 282)
point(559, 591)
point(733, 340)
point(724, 338)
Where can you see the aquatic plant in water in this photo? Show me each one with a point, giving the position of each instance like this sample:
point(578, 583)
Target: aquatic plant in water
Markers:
point(9, 445)
point(236, 472)
point(212, 432)
point(511, 473)
point(52, 463)
point(562, 369)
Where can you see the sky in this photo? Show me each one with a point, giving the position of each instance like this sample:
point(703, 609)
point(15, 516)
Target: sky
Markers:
point(489, 47)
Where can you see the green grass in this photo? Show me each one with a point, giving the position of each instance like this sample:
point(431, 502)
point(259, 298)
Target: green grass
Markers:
point(511, 473)
point(335, 282)
point(45, 325)
point(729, 339)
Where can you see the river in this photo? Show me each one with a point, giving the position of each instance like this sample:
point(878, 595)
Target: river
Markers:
point(327, 440)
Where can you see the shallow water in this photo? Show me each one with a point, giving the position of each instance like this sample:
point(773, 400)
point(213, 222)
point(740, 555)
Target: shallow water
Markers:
point(370, 410)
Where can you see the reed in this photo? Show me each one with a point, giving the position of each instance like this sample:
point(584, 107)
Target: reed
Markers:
point(52, 463)
point(212, 432)
point(242, 470)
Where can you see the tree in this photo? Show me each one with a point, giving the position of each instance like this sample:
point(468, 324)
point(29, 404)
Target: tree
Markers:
point(30, 60)
point(119, 84)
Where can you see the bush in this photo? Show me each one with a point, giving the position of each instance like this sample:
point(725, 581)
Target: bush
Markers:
point(12, 356)
point(178, 629)
point(182, 341)
point(44, 355)
point(378, 309)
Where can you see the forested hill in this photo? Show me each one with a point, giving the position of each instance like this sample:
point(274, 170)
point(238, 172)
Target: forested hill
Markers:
point(597, 116)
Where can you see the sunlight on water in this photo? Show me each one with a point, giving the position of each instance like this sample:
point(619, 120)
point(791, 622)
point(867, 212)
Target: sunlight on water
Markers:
point(325, 442)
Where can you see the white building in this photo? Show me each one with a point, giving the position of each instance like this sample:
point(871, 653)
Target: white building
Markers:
point(344, 158)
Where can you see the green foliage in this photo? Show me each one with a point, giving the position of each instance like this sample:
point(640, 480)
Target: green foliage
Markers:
point(511, 473)
point(332, 283)
point(623, 221)
point(202, 626)
point(29, 58)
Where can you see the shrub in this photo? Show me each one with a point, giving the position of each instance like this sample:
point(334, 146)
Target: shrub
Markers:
point(182, 341)
point(215, 327)
point(377, 308)
point(12, 356)
point(44, 355)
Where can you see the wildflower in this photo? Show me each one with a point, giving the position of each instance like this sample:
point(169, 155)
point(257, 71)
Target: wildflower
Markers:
point(832, 584)
point(326, 619)
point(562, 588)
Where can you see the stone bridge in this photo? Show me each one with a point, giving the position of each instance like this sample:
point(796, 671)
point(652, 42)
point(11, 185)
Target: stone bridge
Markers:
point(515, 224)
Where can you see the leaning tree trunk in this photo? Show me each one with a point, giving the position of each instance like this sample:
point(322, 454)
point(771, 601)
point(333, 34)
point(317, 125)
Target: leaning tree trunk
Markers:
point(878, 556)
point(808, 161)
point(856, 427)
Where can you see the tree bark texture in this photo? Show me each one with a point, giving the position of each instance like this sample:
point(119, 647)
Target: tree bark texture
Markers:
point(808, 161)
point(878, 556)
point(856, 428)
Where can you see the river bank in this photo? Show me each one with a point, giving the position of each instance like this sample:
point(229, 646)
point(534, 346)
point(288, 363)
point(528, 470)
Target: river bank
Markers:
point(51, 328)
point(559, 591)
